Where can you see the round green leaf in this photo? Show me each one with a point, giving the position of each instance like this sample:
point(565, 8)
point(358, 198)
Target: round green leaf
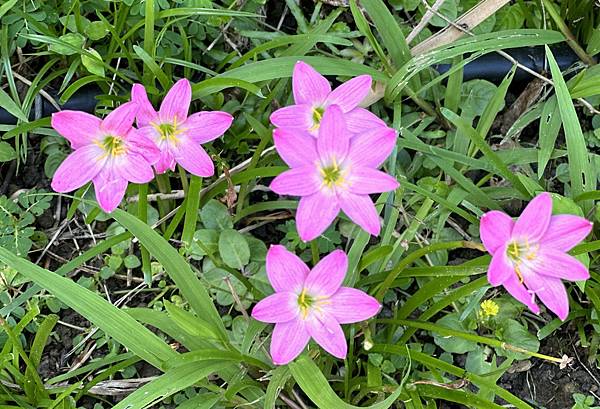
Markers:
point(234, 249)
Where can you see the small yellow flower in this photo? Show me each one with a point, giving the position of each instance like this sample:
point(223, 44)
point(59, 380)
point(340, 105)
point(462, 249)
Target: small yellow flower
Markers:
point(489, 308)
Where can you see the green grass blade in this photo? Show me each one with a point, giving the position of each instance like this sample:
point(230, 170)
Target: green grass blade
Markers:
point(580, 171)
point(177, 268)
point(170, 382)
point(312, 381)
point(98, 311)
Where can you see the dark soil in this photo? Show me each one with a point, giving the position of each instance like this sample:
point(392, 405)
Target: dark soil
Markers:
point(545, 385)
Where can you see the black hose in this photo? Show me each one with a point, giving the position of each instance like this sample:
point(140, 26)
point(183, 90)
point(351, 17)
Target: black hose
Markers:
point(492, 67)
point(82, 100)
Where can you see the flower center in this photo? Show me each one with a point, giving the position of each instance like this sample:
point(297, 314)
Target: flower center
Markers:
point(168, 131)
point(305, 301)
point(333, 175)
point(521, 253)
point(113, 145)
point(317, 115)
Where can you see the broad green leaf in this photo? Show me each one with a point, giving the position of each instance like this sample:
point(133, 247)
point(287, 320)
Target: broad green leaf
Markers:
point(75, 40)
point(214, 215)
point(93, 65)
point(7, 152)
point(234, 249)
point(452, 344)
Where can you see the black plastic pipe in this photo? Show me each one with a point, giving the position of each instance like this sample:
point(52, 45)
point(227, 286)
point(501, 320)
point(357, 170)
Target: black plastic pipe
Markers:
point(82, 100)
point(492, 67)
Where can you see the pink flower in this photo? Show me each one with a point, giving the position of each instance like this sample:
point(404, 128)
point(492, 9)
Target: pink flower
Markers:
point(529, 255)
point(310, 303)
point(177, 135)
point(108, 152)
point(313, 94)
point(334, 172)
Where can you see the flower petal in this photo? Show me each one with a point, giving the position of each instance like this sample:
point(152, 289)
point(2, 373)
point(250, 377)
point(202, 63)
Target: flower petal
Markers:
point(286, 271)
point(295, 148)
point(293, 117)
point(349, 94)
point(288, 340)
point(78, 168)
point(334, 139)
point(495, 230)
point(552, 263)
point(328, 333)
point(554, 295)
point(520, 293)
point(372, 148)
point(120, 121)
point(308, 85)
point(566, 231)
point(146, 113)
point(361, 210)
point(166, 161)
point(535, 219)
point(364, 181)
point(350, 305)
point(205, 126)
point(315, 213)
point(80, 128)
point(278, 307)
point(133, 167)
point(138, 142)
point(177, 102)
point(110, 189)
point(302, 181)
point(326, 277)
point(193, 158)
point(500, 268)
point(359, 120)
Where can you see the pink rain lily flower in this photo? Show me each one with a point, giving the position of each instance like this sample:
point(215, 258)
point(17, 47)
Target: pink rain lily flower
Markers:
point(529, 255)
point(177, 135)
point(310, 303)
point(333, 173)
point(108, 152)
point(313, 94)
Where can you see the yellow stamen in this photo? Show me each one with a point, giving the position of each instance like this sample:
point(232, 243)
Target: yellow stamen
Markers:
point(333, 175)
point(168, 131)
point(112, 145)
point(317, 115)
point(519, 274)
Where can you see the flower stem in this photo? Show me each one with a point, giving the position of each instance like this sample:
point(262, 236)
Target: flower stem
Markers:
point(191, 209)
point(417, 254)
point(428, 326)
point(314, 248)
point(143, 216)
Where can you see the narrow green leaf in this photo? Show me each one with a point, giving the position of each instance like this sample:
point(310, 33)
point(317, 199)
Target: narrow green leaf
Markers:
point(11, 106)
point(172, 381)
point(312, 381)
point(98, 311)
point(149, 62)
point(177, 268)
point(580, 171)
